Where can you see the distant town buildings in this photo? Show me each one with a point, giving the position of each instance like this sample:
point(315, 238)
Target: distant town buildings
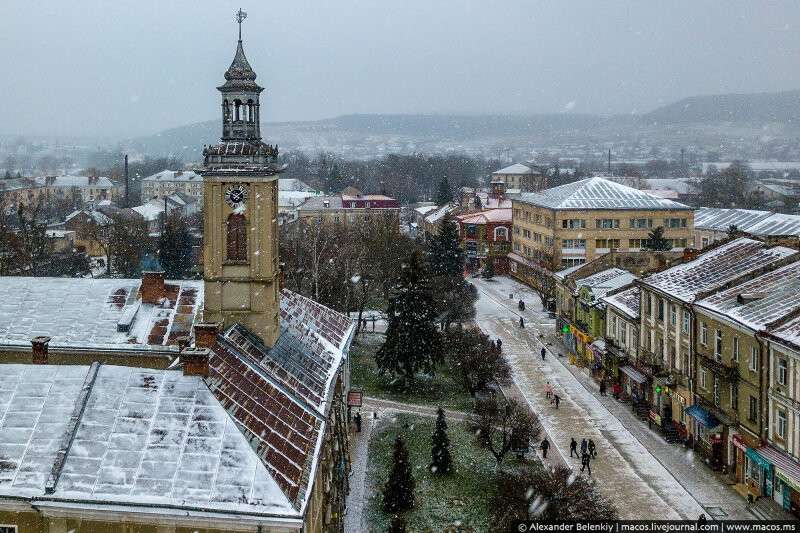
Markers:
point(521, 177)
point(169, 182)
point(349, 210)
point(76, 191)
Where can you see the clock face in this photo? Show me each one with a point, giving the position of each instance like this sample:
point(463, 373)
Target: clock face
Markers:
point(236, 195)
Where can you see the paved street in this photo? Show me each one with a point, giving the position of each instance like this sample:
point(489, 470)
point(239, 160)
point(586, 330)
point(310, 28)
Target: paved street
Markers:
point(635, 467)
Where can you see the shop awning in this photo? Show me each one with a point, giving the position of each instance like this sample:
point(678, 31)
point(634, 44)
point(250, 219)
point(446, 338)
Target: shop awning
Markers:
point(702, 416)
point(786, 468)
point(634, 374)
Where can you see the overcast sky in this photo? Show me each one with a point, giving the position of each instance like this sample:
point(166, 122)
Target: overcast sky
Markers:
point(124, 68)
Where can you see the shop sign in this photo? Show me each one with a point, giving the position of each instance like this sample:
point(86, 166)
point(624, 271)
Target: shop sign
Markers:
point(787, 480)
point(737, 441)
point(354, 398)
point(655, 417)
point(757, 459)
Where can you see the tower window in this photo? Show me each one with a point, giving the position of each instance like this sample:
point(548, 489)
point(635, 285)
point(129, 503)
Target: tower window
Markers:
point(236, 238)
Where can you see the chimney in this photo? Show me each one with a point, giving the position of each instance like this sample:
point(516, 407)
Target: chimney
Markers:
point(127, 183)
point(40, 350)
point(152, 287)
point(205, 334)
point(690, 254)
point(195, 361)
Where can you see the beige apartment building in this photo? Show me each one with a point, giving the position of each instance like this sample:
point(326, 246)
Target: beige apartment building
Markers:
point(346, 209)
point(519, 177)
point(572, 224)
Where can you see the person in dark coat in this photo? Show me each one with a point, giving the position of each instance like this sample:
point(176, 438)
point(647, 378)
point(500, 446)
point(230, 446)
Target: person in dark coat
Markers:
point(521, 322)
point(545, 445)
point(357, 420)
point(602, 388)
point(585, 463)
point(556, 399)
point(591, 448)
point(544, 352)
point(584, 447)
point(499, 344)
point(573, 447)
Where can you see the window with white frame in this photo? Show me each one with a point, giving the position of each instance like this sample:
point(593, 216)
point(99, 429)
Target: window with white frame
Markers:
point(5, 528)
point(703, 378)
point(752, 412)
point(607, 223)
point(718, 345)
point(703, 334)
point(753, 359)
point(735, 353)
point(782, 371)
point(685, 321)
point(500, 233)
point(781, 418)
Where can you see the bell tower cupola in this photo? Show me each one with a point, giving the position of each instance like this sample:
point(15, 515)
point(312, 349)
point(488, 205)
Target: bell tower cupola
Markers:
point(240, 93)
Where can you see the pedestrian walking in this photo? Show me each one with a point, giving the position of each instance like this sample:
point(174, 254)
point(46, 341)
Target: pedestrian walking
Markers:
point(544, 352)
point(499, 344)
point(521, 305)
point(573, 447)
point(357, 419)
point(584, 446)
point(557, 399)
point(585, 463)
point(548, 391)
point(544, 446)
point(602, 388)
point(591, 448)
point(521, 322)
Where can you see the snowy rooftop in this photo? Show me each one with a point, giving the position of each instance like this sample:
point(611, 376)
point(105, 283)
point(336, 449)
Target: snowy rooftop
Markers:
point(606, 280)
point(175, 175)
point(717, 219)
point(424, 210)
point(760, 301)
point(483, 217)
point(246, 439)
point(95, 313)
point(77, 181)
point(436, 216)
point(517, 168)
point(318, 202)
point(293, 198)
point(789, 333)
point(597, 193)
point(95, 215)
point(627, 301)
point(777, 225)
point(717, 267)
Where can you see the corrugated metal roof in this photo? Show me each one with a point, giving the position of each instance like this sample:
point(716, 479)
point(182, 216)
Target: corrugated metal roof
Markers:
point(597, 193)
point(627, 301)
point(716, 219)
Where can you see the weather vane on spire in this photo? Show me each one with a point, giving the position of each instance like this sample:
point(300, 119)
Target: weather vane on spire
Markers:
point(240, 16)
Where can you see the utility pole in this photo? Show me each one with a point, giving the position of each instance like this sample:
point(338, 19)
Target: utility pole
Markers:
point(609, 162)
point(127, 184)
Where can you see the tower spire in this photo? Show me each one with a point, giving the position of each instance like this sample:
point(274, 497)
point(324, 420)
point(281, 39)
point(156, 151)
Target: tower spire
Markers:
point(240, 16)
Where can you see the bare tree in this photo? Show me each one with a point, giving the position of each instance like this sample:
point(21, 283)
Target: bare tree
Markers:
point(503, 425)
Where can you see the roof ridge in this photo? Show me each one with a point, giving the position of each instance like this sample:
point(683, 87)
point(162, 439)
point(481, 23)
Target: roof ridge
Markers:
point(72, 427)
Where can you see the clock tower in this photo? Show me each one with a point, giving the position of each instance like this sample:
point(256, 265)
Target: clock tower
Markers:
point(240, 205)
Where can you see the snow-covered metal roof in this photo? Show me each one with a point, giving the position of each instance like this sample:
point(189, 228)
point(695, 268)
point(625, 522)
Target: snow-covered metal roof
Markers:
point(717, 219)
point(425, 209)
point(483, 217)
point(718, 267)
point(437, 215)
point(86, 313)
point(516, 168)
point(627, 301)
point(789, 333)
point(293, 184)
point(175, 175)
point(160, 437)
point(777, 224)
point(760, 301)
point(606, 280)
point(597, 193)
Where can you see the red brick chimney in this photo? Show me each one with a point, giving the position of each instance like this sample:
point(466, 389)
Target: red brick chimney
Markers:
point(40, 350)
point(205, 334)
point(690, 254)
point(195, 361)
point(152, 287)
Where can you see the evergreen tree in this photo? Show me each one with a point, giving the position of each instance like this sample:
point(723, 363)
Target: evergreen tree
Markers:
point(441, 461)
point(398, 493)
point(445, 255)
point(443, 195)
point(657, 242)
point(8, 175)
point(488, 268)
point(412, 339)
point(175, 247)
